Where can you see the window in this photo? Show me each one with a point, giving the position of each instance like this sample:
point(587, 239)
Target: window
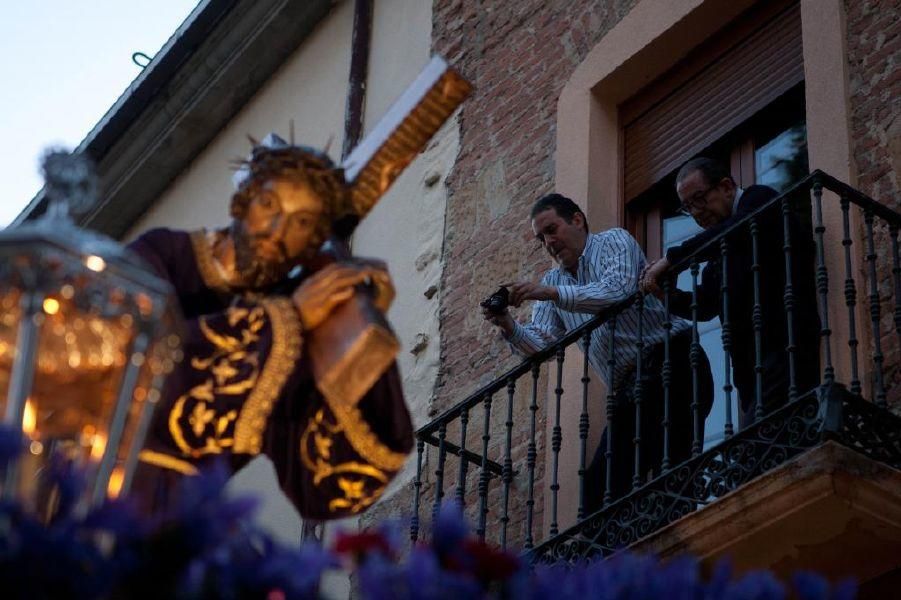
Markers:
point(769, 149)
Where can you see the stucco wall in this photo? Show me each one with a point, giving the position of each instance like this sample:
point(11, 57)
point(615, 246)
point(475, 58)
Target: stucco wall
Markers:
point(309, 89)
point(401, 42)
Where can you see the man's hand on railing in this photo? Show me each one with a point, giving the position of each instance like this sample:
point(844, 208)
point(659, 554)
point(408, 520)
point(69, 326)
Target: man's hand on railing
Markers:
point(649, 280)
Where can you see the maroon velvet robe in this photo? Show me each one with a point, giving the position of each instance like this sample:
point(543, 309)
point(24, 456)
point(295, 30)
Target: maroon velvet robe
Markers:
point(244, 387)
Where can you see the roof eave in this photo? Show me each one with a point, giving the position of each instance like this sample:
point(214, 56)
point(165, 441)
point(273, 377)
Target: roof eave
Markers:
point(222, 54)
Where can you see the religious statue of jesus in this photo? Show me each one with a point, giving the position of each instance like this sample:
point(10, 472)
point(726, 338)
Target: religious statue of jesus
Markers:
point(252, 294)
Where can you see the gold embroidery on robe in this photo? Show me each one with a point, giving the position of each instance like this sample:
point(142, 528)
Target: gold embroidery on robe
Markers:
point(201, 242)
point(202, 421)
point(166, 461)
point(359, 483)
point(283, 357)
point(364, 441)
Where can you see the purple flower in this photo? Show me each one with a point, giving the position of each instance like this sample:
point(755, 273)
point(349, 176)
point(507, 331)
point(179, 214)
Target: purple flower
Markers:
point(207, 547)
point(722, 576)
point(420, 577)
point(810, 586)
point(756, 585)
point(449, 529)
point(813, 586)
point(362, 544)
point(11, 444)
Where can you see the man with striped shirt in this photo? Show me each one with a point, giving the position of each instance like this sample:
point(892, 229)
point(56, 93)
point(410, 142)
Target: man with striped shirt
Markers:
point(594, 273)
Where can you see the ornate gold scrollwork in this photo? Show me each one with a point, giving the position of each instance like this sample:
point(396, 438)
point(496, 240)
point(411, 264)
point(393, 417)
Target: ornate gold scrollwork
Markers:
point(202, 420)
point(360, 483)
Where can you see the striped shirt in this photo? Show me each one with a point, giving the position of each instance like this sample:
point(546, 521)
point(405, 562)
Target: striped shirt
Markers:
point(607, 273)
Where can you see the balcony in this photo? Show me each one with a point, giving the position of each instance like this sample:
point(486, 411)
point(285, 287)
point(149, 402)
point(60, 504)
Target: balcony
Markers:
point(515, 452)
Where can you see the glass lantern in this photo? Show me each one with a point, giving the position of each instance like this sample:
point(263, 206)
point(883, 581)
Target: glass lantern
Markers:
point(87, 336)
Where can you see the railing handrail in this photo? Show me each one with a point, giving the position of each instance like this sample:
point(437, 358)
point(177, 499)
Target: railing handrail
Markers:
point(525, 366)
point(882, 211)
point(817, 176)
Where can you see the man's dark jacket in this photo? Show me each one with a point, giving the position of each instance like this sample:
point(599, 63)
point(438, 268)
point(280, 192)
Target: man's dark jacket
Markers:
point(739, 291)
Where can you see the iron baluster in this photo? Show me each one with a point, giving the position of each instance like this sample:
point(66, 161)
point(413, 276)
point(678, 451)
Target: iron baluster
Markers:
point(507, 476)
point(783, 434)
point(611, 411)
point(556, 441)
point(822, 282)
point(874, 309)
point(695, 361)
point(484, 475)
point(583, 426)
point(758, 323)
point(850, 294)
point(666, 373)
point(439, 470)
point(728, 428)
point(417, 490)
point(532, 455)
point(464, 464)
point(896, 276)
point(789, 300)
point(638, 391)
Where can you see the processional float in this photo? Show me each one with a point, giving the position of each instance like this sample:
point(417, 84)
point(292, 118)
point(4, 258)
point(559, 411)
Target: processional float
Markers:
point(88, 333)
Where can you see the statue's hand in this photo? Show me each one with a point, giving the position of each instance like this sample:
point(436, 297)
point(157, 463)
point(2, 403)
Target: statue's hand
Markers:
point(318, 296)
point(382, 286)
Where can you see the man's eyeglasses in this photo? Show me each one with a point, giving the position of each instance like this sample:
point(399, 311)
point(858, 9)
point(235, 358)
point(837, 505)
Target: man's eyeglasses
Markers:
point(695, 201)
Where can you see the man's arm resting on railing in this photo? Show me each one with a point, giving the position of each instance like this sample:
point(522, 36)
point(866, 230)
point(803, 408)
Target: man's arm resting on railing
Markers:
point(680, 301)
point(618, 264)
point(529, 339)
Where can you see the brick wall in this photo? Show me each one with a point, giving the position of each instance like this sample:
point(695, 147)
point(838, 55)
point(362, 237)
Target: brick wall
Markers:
point(874, 63)
point(519, 55)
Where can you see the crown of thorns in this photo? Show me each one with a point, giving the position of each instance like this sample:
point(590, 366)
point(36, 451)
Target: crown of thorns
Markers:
point(295, 163)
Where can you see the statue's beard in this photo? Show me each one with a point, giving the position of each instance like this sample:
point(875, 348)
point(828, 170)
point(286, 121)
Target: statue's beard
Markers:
point(252, 271)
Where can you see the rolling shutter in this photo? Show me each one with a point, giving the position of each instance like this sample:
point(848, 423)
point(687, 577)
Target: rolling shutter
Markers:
point(753, 72)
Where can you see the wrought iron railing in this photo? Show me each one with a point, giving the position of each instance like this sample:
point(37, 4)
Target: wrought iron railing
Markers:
point(517, 477)
point(829, 412)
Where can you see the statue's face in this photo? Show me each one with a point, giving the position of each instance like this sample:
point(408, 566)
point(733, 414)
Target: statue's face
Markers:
point(280, 229)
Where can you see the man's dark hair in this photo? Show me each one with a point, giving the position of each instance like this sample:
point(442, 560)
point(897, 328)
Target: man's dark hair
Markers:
point(563, 206)
point(713, 171)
